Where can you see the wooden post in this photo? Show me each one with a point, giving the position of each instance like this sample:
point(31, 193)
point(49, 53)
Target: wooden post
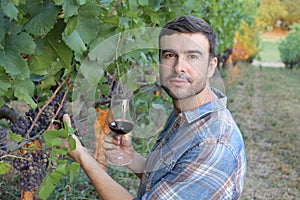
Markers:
point(100, 130)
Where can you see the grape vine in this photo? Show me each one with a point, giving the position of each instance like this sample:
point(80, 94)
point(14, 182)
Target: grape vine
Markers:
point(32, 161)
point(43, 42)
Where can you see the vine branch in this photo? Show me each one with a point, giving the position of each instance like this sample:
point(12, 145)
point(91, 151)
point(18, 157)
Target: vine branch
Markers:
point(43, 108)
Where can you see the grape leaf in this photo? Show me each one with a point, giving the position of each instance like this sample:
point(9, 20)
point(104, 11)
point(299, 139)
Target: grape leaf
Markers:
point(72, 143)
point(4, 167)
point(81, 2)
point(10, 10)
point(71, 25)
point(75, 42)
point(4, 82)
point(49, 183)
point(49, 50)
point(22, 43)
point(62, 167)
point(74, 169)
point(92, 71)
point(87, 28)
point(46, 189)
point(44, 21)
point(70, 8)
point(23, 90)
point(14, 64)
point(143, 2)
point(14, 137)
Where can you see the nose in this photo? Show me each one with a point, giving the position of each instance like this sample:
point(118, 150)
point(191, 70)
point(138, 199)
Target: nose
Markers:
point(180, 65)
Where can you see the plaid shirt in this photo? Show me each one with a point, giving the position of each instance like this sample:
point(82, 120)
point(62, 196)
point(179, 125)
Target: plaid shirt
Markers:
point(199, 155)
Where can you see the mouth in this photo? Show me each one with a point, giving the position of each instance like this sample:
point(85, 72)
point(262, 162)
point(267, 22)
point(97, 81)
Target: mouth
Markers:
point(178, 82)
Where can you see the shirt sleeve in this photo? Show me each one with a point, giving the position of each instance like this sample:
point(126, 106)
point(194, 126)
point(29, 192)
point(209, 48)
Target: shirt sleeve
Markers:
point(207, 171)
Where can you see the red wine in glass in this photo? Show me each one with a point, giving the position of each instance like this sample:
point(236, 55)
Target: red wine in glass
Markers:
point(121, 127)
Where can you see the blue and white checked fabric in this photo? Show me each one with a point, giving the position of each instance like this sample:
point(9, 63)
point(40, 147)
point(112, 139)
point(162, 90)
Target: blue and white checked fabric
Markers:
point(199, 155)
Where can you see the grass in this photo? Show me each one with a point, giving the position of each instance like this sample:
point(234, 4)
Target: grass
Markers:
point(269, 51)
point(266, 105)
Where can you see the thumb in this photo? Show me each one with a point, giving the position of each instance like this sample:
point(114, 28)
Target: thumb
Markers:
point(67, 119)
point(125, 142)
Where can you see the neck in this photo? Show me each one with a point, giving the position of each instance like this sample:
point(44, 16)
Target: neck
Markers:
point(205, 96)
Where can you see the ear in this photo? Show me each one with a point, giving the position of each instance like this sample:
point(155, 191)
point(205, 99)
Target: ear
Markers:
point(212, 67)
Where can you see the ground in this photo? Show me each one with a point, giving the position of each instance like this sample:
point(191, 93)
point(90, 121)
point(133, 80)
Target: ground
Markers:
point(274, 34)
point(266, 104)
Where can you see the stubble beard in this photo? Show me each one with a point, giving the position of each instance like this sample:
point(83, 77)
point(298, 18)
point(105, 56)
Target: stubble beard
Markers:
point(185, 93)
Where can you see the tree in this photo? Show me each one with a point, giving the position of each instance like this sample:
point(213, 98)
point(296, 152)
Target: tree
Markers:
point(270, 11)
point(292, 7)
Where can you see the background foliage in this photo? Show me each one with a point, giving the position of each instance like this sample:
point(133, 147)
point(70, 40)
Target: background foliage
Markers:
point(289, 48)
point(278, 14)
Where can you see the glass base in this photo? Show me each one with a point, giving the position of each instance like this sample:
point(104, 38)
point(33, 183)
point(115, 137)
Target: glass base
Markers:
point(119, 160)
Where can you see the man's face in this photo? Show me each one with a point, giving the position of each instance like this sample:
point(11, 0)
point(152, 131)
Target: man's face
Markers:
point(185, 64)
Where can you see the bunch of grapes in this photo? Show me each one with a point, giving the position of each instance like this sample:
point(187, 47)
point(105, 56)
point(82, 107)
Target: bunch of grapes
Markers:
point(23, 123)
point(32, 167)
point(3, 138)
point(3, 141)
point(33, 163)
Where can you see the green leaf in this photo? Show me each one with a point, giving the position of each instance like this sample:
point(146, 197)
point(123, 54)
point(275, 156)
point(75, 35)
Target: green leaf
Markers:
point(23, 90)
point(87, 28)
point(10, 11)
point(4, 167)
point(44, 21)
point(14, 64)
point(62, 168)
point(132, 4)
point(22, 43)
point(75, 42)
point(143, 2)
point(50, 50)
point(4, 82)
point(92, 71)
point(70, 8)
point(112, 19)
point(81, 2)
point(14, 137)
point(49, 183)
point(71, 25)
point(155, 16)
point(46, 189)
point(52, 137)
point(131, 14)
point(69, 129)
point(72, 143)
point(74, 169)
point(61, 151)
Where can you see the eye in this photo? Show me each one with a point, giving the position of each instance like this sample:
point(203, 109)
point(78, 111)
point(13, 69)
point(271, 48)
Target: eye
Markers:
point(169, 55)
point(193, 56)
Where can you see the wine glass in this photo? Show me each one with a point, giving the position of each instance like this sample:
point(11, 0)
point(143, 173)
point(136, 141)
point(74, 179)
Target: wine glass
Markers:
point(120, 122)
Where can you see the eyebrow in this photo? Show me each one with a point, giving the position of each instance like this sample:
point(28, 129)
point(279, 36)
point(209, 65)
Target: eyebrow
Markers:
point(168, 50)
point(193, 51)
point(185, 52)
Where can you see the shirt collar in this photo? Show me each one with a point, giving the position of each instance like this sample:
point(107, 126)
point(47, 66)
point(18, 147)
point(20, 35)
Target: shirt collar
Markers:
point(213, 106)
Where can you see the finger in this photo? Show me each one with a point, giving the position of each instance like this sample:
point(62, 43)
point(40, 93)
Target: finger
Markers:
point(107, 139)
point(124, 142)
point(109, 146)
point(67, 119)
point(111, 140)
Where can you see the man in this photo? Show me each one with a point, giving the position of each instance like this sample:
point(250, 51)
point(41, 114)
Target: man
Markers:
point(200, 153)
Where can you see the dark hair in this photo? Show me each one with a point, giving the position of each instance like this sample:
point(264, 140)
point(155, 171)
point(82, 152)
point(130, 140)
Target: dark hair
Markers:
point(190, 24)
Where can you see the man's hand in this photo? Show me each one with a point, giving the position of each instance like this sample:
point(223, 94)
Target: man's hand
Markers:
point(79, 151)
point(115, 145)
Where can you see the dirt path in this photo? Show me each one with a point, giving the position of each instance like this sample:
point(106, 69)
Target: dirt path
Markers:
point(263, 102)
